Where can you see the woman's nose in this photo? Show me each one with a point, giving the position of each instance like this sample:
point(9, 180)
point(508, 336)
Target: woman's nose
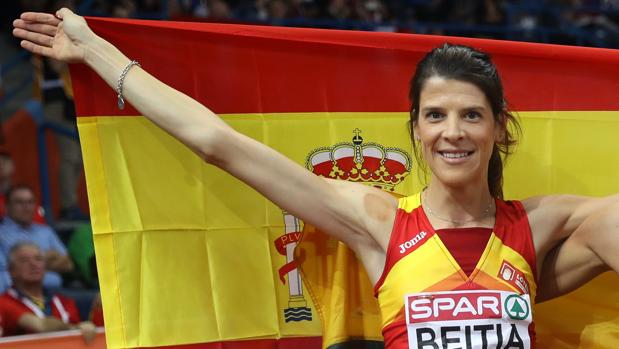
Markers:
point(453, 128)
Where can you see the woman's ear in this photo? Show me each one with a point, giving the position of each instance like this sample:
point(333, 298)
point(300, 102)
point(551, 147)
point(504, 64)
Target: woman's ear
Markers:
point(416, 134)
point(412, 126)
point(500, 129)
point(414, 129)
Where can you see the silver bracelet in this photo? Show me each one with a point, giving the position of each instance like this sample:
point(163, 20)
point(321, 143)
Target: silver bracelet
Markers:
point(121, 81)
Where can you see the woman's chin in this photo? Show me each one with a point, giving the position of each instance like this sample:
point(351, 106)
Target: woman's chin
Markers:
point(457, 179)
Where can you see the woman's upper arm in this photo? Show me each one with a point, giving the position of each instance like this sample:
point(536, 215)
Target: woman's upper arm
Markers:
point(350, 212)
point(592, 249)
point(564, 259)
point(556, 217)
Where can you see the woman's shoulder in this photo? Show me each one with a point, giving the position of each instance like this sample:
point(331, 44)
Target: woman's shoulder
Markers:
point(557, 215)
point(553, 203)
point(410, 202)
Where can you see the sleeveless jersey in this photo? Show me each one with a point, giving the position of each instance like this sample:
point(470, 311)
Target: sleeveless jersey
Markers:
point(427, 301)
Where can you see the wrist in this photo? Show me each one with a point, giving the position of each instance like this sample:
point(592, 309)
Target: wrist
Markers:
point(93, 50)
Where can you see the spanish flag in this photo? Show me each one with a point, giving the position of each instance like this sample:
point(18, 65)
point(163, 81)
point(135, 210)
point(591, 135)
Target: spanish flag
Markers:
point(187, 254)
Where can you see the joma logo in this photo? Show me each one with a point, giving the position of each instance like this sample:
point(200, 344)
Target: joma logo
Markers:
point(412, 242)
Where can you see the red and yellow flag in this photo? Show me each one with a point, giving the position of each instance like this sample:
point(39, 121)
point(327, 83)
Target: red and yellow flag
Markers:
point(187, 254)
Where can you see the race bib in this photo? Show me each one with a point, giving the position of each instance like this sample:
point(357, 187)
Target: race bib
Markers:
point(468, 320)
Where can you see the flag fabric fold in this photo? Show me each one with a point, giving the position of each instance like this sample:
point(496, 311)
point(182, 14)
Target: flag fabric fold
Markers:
point(187, 254)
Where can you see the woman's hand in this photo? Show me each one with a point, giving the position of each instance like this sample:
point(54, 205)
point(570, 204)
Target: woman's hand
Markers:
point(64, 37)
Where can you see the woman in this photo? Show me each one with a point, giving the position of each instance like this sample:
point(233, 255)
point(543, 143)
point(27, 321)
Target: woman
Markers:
point(460, 127)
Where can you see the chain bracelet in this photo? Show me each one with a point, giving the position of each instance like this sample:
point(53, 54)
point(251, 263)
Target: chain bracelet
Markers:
point(121, 81)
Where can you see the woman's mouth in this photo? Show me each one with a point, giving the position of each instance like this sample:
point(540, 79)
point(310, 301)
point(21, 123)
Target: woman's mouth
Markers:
point(454, 156)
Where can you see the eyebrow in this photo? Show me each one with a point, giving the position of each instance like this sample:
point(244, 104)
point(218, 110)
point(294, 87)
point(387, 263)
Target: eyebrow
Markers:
point(430, 108)
point(476, 108)
point(439, 108)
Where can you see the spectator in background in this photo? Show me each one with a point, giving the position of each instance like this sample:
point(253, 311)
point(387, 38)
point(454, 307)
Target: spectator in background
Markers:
point(27, 295)
point(181, 9)
point(7, 169)
point(123, 8)
point(340, 9)
point(304, 9)
point(149, 5)
point(203, 10)
point(114, 8)
point(278, 9)
point(371, 11)
point(18, 226)
point(14, 318)
point(492, 13)
point(219, 11)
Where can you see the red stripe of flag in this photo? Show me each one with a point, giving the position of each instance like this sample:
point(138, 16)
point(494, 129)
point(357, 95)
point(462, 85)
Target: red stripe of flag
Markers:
point(258, 69)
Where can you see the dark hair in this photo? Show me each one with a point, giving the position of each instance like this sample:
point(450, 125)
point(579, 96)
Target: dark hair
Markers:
point(466, 64)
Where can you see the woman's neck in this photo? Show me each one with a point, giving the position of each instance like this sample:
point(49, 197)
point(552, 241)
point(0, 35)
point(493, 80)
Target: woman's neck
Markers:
point(448, 207)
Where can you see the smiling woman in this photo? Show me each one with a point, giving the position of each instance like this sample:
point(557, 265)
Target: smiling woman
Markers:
point(461, 132)
point(457, 249)
point(467, 82)
point(457, 132)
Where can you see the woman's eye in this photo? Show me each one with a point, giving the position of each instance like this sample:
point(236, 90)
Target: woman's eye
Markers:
point(472, 116)
point(434, 116)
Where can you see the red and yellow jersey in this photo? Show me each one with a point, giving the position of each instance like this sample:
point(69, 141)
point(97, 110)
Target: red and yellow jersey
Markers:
point(422, 281)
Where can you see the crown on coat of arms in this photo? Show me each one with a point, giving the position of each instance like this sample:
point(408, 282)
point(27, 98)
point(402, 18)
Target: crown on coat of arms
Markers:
point(367, 163)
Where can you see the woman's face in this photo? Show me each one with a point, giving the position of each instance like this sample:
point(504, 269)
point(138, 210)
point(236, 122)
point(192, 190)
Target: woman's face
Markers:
point(457, 131)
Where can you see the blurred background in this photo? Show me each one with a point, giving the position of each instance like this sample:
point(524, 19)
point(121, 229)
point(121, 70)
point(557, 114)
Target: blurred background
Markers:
point(39, 147)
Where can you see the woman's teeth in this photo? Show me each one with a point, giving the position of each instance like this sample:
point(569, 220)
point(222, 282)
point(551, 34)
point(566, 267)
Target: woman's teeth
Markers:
point(455, 155)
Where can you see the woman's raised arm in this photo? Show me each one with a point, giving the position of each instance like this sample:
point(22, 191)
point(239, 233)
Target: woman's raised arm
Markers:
point(358, 215)
point(67, 37)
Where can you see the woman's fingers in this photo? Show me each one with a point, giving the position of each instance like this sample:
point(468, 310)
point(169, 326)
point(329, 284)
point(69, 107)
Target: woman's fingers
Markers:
point(35, 27)
point(44, 18)
point(37, 49)
point(64, 12)
point(40, 39)
point(37, 31)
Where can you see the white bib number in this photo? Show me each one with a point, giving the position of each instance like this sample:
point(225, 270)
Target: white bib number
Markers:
point(468, 320)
